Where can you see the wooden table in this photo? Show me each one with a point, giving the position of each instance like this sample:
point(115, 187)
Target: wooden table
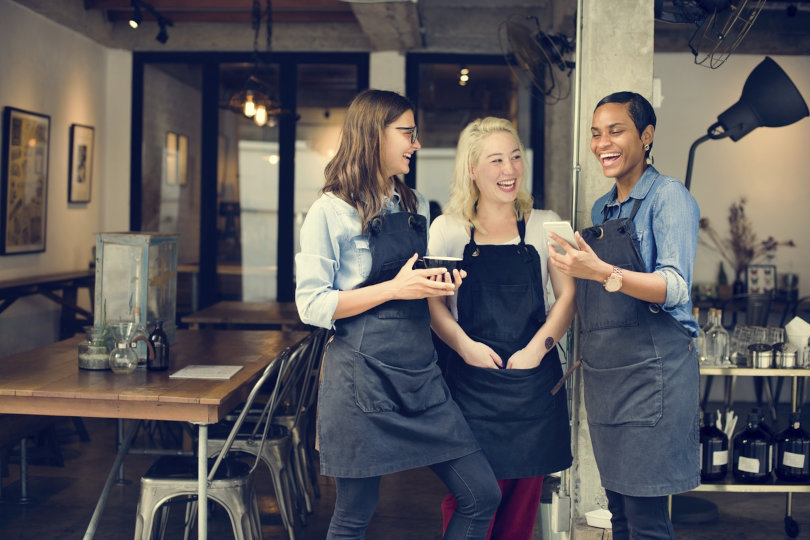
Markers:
point(229, 314)
point(47, 381)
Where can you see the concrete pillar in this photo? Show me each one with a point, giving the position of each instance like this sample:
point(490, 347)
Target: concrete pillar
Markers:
point(616, 40)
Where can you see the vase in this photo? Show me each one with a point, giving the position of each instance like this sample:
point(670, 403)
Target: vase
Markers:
point(94, 351)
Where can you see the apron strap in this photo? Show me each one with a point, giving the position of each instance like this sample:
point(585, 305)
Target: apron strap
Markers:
point(521, 225)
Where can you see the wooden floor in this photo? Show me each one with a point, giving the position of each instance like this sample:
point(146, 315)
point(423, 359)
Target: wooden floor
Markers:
point(64, 498)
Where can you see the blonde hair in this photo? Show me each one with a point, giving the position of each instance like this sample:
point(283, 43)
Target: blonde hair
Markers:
point(355, 174)
point(464, 194)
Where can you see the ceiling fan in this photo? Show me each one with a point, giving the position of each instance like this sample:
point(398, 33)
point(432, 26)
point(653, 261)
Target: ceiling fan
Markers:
point(541, 56)
point(720, 25)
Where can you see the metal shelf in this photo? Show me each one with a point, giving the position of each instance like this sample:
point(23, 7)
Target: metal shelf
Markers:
point(754, 372)
point(766, 487)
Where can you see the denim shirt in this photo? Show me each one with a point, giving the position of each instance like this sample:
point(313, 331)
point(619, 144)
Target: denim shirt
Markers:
point(334, 255)
point(666, 231)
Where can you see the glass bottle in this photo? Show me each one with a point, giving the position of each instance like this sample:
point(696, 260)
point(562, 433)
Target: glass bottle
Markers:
point(707, 328)
point(713, 451)
point(793, 452)
point(160, 342)
point(139, 331)
point(751, 462)
point(717, 341)
point(700, 340)
point(804, 360)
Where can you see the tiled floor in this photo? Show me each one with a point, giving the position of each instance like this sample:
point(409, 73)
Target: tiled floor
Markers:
point(64, 498)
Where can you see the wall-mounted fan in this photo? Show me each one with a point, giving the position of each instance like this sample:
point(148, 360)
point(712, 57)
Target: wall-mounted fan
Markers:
point(541, 55)
point(720, 25)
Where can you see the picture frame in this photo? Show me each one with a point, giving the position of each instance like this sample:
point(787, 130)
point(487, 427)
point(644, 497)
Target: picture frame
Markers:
point(80, 163)
point(760, 279)
point(25, 160)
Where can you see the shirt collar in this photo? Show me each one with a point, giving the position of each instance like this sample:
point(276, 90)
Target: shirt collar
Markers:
point(640, 189)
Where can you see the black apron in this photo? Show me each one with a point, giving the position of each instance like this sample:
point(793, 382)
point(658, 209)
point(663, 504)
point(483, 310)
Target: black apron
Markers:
point(522, 428)
point(641, 378)
point(383, 405)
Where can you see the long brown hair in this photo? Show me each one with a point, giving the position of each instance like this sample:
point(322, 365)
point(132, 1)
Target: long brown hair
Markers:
point(355, 174)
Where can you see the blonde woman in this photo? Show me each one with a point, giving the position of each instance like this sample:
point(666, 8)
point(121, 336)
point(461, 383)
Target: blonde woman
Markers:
point(383, 406)
point(501, 325)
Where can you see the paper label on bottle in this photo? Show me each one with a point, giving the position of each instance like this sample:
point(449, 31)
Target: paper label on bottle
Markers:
point(793, 460)
point(748, 464)
point(720, 457)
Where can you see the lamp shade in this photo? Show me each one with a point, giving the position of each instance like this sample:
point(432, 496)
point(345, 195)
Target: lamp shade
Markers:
point(769, 99)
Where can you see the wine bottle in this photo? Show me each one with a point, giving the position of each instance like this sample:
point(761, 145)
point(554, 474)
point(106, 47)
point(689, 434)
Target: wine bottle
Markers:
point(713, 451)
point(160, 341)
point(752, 447)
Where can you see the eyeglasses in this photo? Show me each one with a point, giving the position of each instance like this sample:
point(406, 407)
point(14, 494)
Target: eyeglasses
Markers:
point(411, 130)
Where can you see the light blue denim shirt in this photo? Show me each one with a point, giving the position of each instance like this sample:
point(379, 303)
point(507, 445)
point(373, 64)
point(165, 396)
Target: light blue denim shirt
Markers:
point(666, 230)
point(334, 256)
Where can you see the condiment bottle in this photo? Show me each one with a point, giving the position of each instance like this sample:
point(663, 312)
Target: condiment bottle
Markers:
point(752, 449)
point(713, 451)
point(793, 452)
point(160, 341)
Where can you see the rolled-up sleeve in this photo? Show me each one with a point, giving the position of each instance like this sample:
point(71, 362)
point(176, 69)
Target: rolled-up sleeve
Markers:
point(675, 229)
point(316, 267)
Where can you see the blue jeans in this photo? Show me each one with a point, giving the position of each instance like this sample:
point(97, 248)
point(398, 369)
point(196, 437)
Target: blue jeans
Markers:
point(470, 479)
point(639, 518)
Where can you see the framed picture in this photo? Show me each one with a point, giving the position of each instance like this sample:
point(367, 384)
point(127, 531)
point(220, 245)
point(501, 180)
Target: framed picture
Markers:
point(26, 140)
point(761, 279)
point(80, 163)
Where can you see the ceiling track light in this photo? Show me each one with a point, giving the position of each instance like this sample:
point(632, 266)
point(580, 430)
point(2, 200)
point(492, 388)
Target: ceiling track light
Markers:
point(137, 15)
point(138, 7)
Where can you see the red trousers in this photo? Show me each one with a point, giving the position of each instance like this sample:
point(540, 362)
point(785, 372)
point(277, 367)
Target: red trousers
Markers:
point(514, 518)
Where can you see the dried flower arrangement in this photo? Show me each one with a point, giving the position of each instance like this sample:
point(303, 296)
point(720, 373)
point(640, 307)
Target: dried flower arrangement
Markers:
point(741, 248)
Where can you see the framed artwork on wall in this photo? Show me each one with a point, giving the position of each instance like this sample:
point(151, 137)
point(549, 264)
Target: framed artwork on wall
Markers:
point(760, 279)
point(80, 163)
point(26, 141)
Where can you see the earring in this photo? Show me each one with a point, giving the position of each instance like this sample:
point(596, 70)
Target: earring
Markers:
point(646, 147)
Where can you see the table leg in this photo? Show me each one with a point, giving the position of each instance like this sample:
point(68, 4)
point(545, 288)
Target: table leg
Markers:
point(202, 479)
point(105, 493)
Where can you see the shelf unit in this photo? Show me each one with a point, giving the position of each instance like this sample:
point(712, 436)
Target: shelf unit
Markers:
point(772, 486)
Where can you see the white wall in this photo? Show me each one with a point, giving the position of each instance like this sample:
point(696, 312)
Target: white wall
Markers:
point(54, 71)
point(769, 166)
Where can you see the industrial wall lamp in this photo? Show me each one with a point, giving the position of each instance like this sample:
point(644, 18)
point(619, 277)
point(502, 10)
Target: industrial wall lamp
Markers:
point(769, 99)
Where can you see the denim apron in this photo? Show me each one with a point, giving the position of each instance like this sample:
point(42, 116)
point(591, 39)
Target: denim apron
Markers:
point(522, 428)
point(641, 379)
point(383, 405)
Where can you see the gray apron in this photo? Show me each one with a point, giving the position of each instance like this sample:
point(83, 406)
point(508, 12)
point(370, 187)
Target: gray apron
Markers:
point(641, 379)
point(383, 405)
point(522, 428)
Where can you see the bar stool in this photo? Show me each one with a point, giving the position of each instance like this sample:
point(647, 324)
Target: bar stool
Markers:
point(230, 480)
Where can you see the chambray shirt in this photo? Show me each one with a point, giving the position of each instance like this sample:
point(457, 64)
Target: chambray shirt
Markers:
point(334, 255)
point(666, 230)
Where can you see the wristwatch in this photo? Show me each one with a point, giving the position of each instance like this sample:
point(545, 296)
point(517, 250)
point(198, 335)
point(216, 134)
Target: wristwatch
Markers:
point(614, 281)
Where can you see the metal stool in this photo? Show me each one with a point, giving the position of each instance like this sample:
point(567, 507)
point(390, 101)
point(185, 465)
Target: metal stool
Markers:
point(230, 481)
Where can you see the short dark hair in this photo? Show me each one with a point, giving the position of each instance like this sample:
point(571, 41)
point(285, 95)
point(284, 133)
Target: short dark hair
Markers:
point(640, 110)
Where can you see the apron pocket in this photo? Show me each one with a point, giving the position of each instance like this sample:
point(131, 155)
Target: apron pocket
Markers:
point(625, 396)
point(599, 309)
point(380, 387)
point(503, 394)
point(500, 313)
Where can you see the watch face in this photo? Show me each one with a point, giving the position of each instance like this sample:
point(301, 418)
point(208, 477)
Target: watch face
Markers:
point(614, 283)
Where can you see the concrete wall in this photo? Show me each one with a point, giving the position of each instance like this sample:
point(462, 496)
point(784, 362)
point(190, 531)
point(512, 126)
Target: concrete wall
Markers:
point(53, 71)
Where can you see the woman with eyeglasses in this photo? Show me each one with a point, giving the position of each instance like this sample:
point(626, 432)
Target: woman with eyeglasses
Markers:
point(383, 405)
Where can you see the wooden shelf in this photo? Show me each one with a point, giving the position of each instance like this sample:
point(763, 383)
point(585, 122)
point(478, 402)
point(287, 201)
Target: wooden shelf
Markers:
point(753, 372)
point(729, 486)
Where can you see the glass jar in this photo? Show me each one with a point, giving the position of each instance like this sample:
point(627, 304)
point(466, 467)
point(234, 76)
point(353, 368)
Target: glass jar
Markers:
point(123, 358)
point(94, 351)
